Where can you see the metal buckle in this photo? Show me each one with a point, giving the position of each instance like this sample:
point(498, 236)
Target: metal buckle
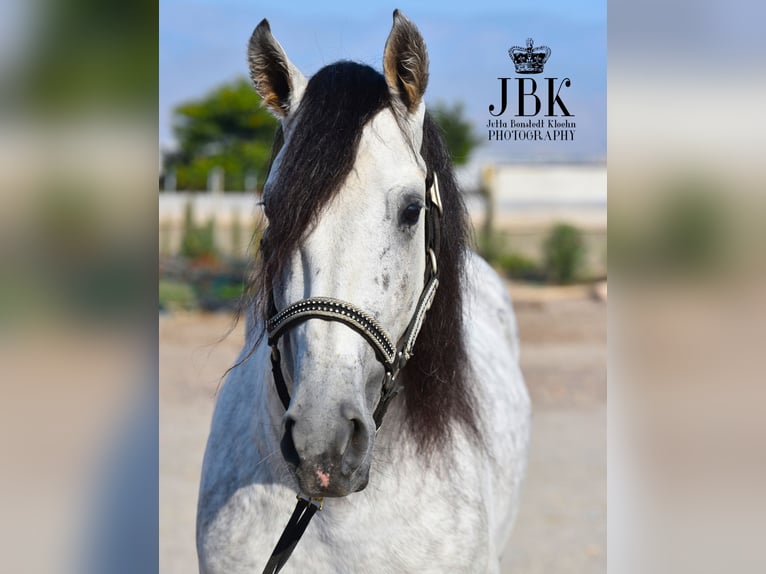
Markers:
point(318, 502)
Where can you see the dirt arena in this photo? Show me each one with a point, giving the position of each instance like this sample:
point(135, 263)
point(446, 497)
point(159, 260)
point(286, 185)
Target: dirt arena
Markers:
point(561, 528)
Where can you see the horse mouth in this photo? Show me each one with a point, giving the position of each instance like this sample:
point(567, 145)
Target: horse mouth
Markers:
point(330, 459)
point(329, 481)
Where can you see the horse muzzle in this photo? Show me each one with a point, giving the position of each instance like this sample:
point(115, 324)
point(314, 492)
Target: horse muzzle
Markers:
point(329, 456)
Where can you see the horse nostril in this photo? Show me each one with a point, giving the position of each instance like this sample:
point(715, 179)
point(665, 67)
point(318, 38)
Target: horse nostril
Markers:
point(358, 433)
point(288, 444)
point(356, 448)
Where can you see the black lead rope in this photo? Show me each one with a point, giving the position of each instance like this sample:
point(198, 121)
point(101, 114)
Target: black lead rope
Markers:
point(392, 357)
point(296, 526)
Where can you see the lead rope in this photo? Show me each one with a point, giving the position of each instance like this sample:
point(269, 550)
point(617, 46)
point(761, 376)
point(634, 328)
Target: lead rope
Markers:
point(393, 357)
point(296, 526)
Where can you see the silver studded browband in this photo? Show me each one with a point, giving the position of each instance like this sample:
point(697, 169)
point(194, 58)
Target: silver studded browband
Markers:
point(336, 310)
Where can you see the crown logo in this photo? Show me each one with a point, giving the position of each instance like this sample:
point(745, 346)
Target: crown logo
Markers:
point(529, 60)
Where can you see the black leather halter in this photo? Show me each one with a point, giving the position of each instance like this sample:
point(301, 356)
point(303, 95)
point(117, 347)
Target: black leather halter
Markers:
point(393, 356)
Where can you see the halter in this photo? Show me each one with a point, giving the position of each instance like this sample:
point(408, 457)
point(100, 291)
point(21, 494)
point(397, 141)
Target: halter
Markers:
point(392, 355)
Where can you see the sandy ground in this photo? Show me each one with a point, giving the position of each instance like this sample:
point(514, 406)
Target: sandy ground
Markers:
point(561, 528)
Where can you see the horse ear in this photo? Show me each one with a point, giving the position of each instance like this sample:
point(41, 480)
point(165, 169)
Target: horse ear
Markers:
point(405, 63)
point(276, 79)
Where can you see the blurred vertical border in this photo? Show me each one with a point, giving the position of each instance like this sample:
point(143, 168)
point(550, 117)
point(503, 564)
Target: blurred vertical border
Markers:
point(78, 285)
point(687, 305)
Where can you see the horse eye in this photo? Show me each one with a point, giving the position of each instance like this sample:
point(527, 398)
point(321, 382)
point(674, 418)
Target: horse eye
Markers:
point(411, 214)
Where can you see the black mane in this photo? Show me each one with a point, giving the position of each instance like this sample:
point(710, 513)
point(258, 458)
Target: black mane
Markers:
point(338, 102)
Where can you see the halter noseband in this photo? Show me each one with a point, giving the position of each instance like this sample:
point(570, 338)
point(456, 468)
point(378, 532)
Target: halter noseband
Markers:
point(391, 355)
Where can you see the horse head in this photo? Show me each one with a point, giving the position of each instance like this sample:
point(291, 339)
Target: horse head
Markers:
point(345, 201)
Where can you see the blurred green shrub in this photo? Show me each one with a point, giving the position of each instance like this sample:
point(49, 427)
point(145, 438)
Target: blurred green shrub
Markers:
point(691, 228)
point(488, 247)
point(564, 252)
point(176, 295)
point(685, 229)
point(217, 290)
point(198, 241)
point(517, 266)
point(495, 249)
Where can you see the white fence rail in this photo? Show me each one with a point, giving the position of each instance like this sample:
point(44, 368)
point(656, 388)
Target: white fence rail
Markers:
point(527, 199)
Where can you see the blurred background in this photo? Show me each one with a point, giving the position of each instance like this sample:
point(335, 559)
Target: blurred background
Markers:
point(85, 144)
point(78, 165)
point(686, 261)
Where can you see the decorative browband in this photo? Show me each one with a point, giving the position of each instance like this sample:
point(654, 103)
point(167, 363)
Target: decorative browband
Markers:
point(337, 310)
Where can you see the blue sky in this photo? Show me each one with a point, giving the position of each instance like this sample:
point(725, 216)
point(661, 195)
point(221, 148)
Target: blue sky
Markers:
point(203, 43)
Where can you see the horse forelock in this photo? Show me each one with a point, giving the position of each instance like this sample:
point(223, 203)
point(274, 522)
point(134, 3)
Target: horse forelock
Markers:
point(339, 101)
point(319, 153)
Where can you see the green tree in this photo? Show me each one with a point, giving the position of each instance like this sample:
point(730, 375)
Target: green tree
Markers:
point(457, 130)
point(227, 128)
